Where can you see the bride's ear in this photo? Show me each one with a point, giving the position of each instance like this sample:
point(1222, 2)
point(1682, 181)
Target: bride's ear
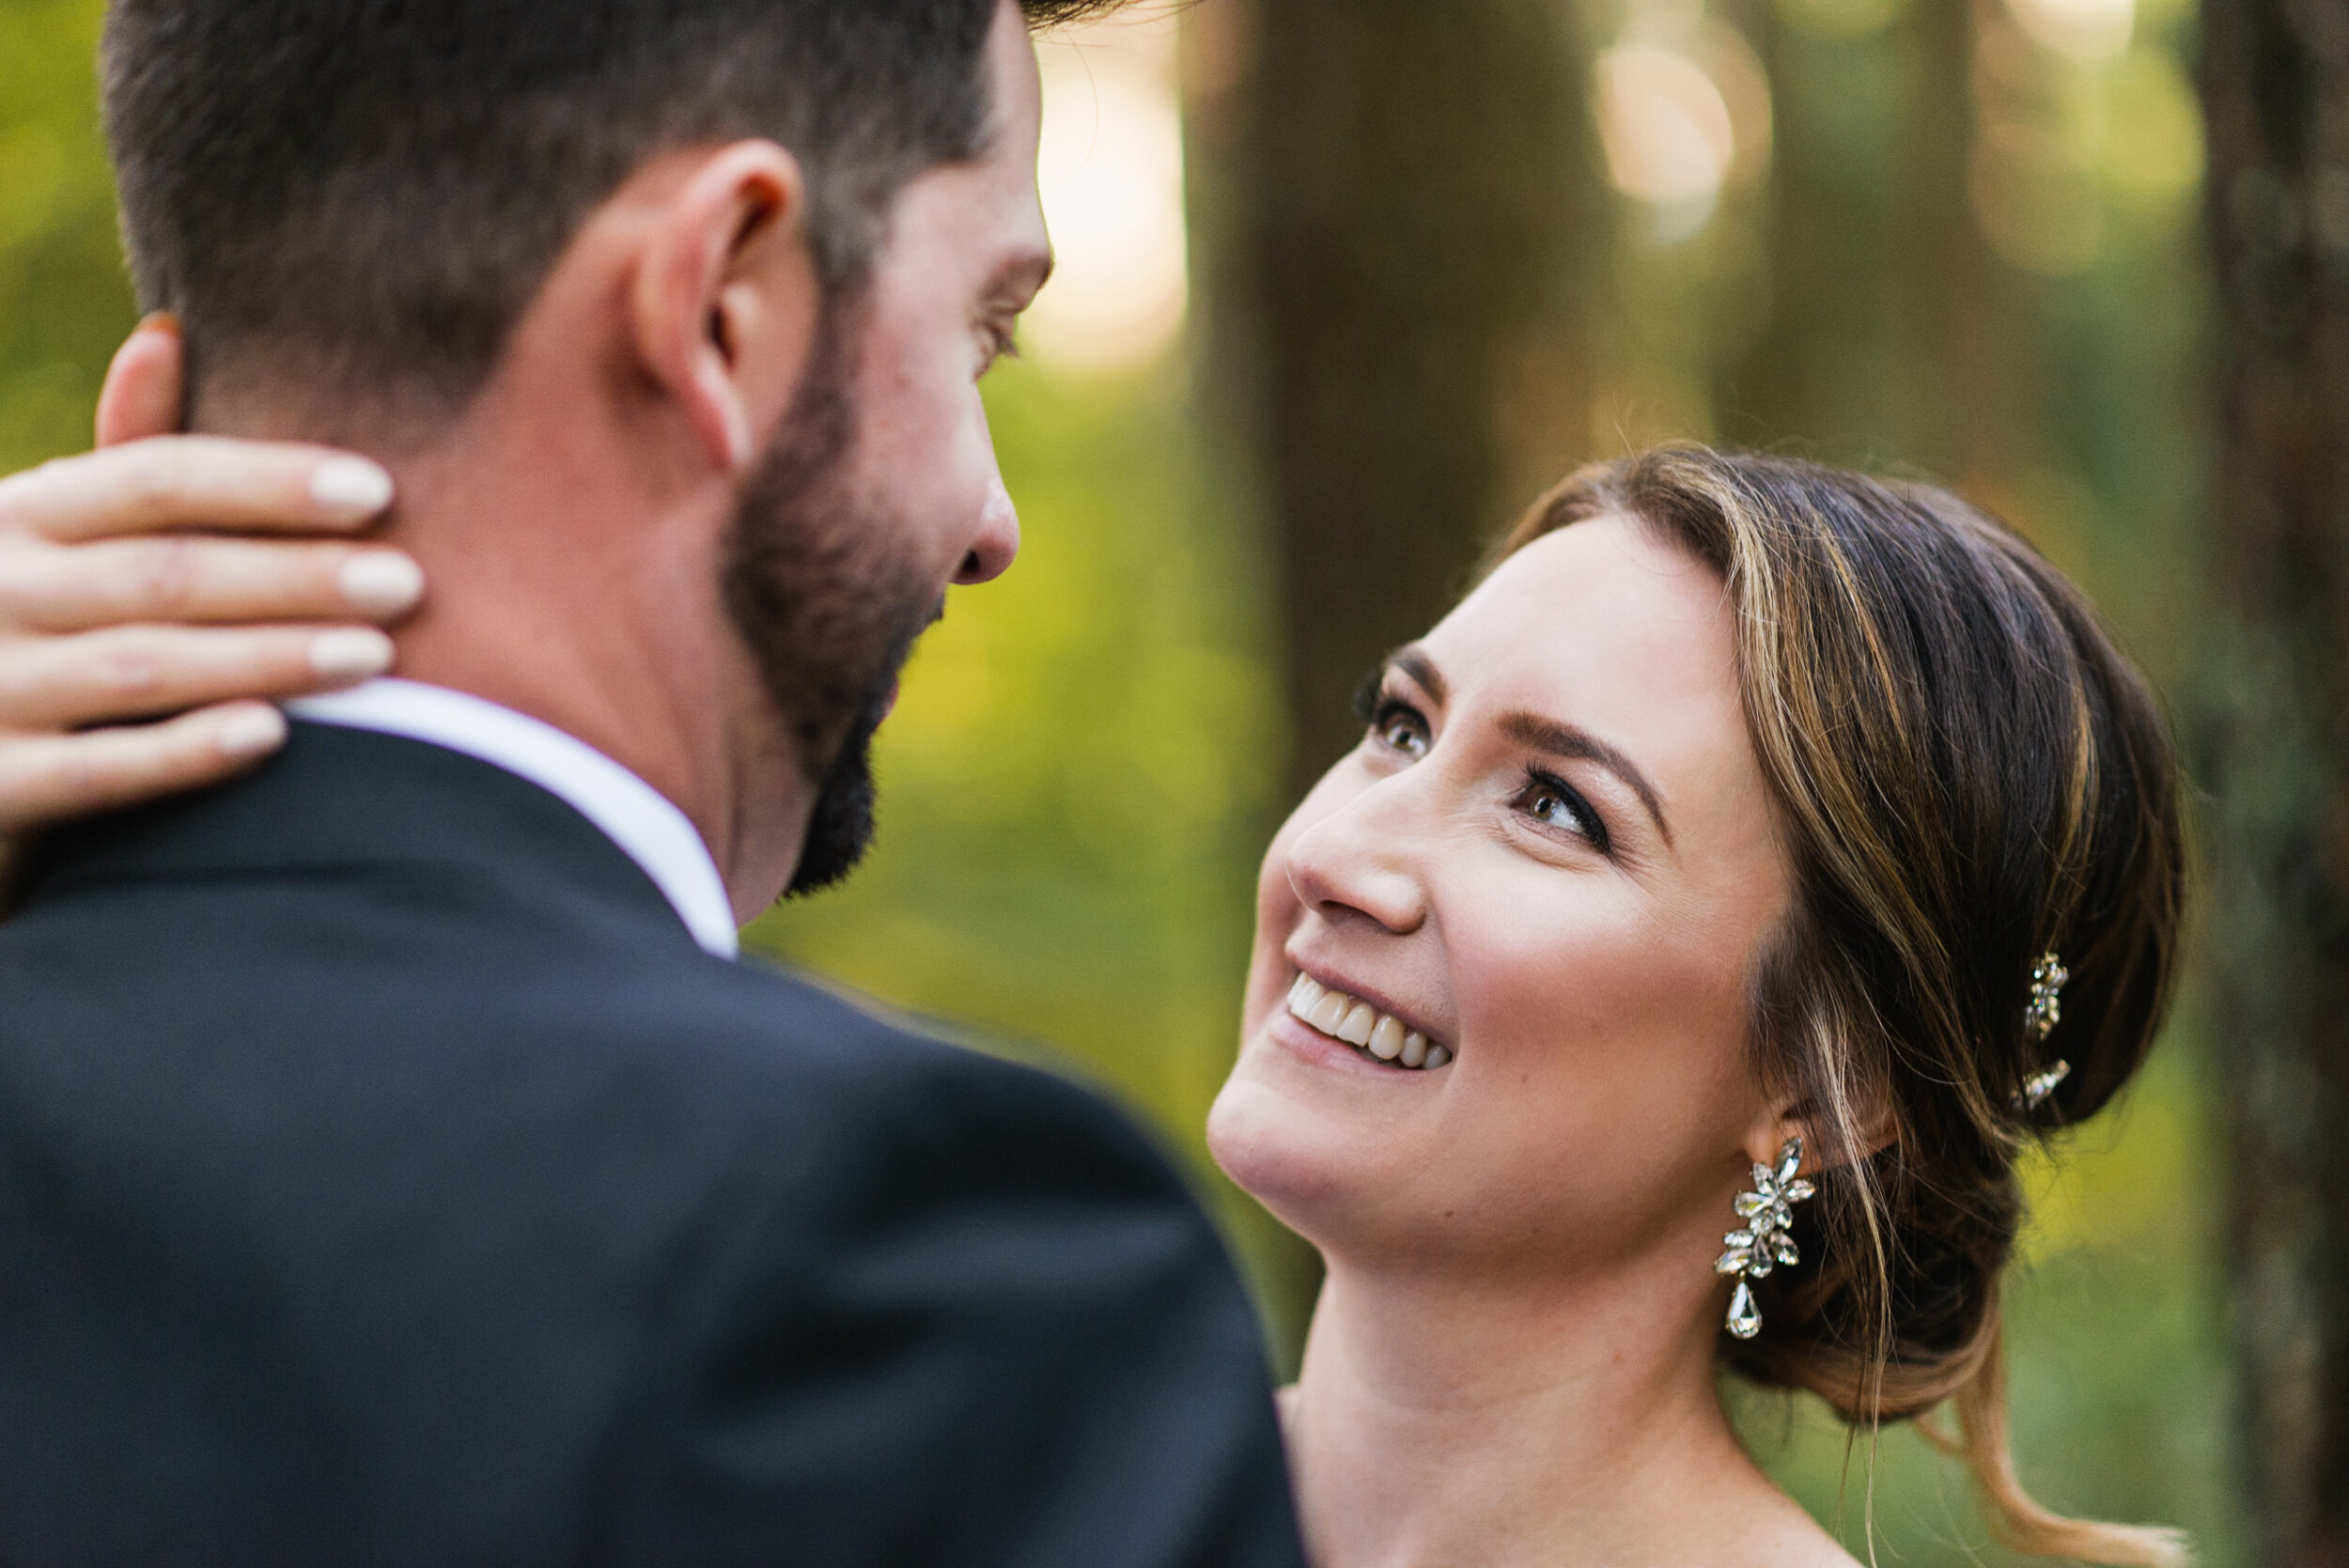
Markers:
point(1832, 1136)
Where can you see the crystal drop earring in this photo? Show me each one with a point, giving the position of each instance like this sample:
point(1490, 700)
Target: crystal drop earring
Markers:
point(1764, 1244)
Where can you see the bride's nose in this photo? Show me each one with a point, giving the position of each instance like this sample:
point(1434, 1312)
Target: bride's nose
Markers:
point(1358, 859)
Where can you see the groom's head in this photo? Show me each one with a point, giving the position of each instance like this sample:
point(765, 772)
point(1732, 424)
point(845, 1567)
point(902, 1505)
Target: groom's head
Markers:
point(732, 263)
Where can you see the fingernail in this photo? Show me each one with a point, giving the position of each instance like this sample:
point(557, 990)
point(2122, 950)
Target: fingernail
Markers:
point(350, 653)
point(382, 582)
point(251, 732)
point(350, 485)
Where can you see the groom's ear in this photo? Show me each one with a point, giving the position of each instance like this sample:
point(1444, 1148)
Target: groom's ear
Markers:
point(143, 395)
point(725, 301)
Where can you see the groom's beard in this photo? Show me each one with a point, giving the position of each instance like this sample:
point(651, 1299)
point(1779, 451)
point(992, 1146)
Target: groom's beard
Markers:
point(827, 610)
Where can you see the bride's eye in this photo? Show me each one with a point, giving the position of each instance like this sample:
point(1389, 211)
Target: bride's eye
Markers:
point(1400, 728)
point(1556, 804)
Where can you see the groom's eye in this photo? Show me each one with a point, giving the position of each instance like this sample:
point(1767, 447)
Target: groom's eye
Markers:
point(999, 341)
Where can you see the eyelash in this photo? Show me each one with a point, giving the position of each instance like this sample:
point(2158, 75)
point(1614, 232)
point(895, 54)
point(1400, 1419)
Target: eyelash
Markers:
point(1587, 824)
point(1384, 714)
point(1002, 342)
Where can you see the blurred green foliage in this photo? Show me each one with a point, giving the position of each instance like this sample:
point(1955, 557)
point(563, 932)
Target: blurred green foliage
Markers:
point(1088, 755)
point(64, 302)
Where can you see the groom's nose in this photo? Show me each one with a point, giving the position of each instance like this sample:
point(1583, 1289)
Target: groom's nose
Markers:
point(997, 538)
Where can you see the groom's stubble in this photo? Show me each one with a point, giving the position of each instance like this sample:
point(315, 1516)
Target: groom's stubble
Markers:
point(827, 609)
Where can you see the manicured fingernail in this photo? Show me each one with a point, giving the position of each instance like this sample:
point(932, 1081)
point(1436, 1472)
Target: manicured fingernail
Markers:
point(251, 732)
point(382, 582)
point(350, 485)
point(350, 653)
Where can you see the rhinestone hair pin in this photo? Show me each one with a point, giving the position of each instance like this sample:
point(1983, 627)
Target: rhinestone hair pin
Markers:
point(2039, 1018)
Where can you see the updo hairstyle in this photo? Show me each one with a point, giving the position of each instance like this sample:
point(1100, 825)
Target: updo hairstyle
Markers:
point(1967, 774)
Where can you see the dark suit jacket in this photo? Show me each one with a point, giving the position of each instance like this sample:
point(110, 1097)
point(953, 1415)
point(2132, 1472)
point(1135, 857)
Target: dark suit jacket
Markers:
point(386, 1177)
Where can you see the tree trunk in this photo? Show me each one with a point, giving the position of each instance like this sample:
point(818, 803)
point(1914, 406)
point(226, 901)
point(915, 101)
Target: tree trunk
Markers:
point(1396, 198)
point(1895, 334)
point(2276, 89)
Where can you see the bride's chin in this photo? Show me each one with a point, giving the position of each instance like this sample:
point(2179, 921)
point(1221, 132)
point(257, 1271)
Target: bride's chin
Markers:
point(1301, 1163)
point(1252, 1136)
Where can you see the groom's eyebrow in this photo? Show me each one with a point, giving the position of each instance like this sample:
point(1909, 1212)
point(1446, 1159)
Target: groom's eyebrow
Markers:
point(1565, 740)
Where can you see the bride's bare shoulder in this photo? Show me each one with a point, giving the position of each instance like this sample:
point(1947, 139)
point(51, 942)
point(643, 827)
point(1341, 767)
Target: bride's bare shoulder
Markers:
point(1749, 1521)
point(1790, 1538)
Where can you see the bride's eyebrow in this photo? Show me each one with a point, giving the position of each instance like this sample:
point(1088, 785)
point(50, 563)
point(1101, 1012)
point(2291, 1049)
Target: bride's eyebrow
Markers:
point(1414, 662)
point(1565, 740)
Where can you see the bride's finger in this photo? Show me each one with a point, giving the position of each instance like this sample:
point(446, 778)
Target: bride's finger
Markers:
point(209, 482)
point(52, 683)
point(196, 578)
point(53, 779)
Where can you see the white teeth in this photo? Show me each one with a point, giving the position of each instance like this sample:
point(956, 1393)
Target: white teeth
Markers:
point(1361, 1025)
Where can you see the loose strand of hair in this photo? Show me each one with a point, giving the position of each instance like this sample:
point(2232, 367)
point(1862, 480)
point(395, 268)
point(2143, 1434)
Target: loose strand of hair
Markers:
point(2020, 1521)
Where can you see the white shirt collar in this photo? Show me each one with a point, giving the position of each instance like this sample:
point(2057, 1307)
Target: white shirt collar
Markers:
point(634, 815)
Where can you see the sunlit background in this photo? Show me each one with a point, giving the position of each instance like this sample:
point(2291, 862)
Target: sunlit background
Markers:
point(1090, 753)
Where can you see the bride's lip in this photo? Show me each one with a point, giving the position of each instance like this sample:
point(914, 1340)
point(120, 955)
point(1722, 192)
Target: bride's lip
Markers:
point(1329, 980)
point(1301, 1039)
point(1304, 1023)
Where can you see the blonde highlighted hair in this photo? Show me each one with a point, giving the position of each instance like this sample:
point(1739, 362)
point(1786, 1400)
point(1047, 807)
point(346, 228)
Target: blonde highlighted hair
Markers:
point(1967, 774)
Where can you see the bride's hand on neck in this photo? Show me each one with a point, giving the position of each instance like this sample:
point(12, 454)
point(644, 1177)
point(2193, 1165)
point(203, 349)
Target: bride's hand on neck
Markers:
point(153, 593)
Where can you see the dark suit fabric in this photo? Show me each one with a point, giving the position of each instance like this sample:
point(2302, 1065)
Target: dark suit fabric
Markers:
point(386, 1177)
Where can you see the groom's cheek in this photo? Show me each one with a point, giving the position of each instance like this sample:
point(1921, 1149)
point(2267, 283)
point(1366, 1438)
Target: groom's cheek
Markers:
point(948, 498)
point(926, 454)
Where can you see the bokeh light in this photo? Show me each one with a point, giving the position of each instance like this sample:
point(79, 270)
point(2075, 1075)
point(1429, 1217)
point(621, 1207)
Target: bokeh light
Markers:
point(2085, 29)
point(1112, 174)
point(1666, 128)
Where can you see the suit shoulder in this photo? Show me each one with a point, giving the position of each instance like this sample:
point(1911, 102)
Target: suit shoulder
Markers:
point(974, 1312)
point(804, 1068)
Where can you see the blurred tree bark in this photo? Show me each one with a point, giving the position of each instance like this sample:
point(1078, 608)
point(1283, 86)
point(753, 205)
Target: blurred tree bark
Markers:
point(1896, 334)
point(1393, 200)
point(2276, 91)
point(1826, 367)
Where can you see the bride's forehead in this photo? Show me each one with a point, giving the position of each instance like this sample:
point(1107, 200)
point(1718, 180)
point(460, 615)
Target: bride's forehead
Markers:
point(1603, 593)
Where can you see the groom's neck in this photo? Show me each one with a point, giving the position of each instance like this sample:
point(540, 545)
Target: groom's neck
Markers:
point(575, 578)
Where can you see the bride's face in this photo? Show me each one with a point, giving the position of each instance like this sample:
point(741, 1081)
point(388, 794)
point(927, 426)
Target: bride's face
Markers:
point(1552, 859)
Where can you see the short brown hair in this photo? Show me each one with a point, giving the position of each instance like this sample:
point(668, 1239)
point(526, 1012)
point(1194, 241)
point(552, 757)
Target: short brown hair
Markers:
point(361, 199)
point(1967, 774)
